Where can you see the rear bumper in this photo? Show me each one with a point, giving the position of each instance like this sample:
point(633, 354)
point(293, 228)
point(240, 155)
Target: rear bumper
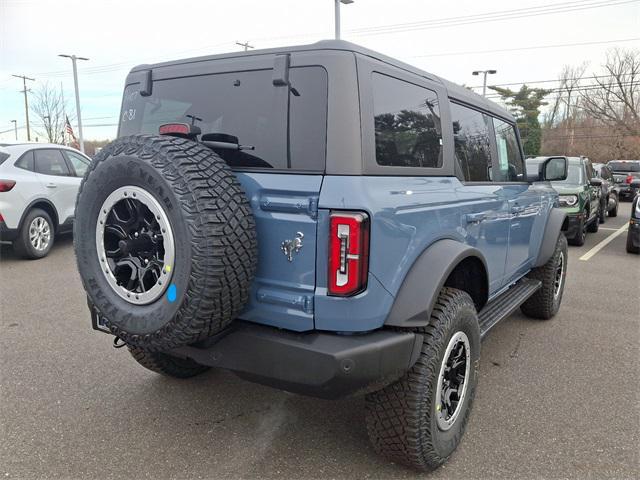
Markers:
point(319, 364)
point(7, 234)
point(625, 191)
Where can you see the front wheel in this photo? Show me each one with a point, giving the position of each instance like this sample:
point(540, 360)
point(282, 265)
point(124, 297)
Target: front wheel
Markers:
point(594, 226)
point(545, 303)
point(419, 420)
point(580, 236)
point(603, 210)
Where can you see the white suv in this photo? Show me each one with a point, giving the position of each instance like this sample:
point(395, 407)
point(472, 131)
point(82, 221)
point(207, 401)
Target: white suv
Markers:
point(38, 188)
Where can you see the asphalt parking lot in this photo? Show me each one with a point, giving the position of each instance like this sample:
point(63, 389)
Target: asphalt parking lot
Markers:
point(556, 399)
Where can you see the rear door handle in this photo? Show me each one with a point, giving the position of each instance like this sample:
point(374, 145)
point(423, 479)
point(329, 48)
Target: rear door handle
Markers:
point(476, 217)
point(52, 185)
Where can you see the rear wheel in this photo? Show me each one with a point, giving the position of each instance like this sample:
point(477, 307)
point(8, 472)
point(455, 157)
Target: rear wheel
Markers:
point(36, 235)
point(603, 210)
point(419, 420)
point(614, 210)
point(166, 364)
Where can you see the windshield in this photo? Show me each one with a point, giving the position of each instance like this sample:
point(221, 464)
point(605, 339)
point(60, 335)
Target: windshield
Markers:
point(624, 166)
point(575, 175)
point(245, 105)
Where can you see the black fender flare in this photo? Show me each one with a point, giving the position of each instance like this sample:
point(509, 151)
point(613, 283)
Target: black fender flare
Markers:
point(552, 230)
point(420, 288)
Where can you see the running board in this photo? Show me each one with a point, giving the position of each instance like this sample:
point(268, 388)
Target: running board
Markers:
point(506, 303)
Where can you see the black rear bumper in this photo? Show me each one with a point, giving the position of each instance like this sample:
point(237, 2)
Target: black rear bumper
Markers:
point(319, 364)
point(7, 234)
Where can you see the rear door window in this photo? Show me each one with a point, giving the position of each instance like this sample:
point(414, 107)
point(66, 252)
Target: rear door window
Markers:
point(407, 124)
point(245, 105)
point(472, 137)
point(51, 162)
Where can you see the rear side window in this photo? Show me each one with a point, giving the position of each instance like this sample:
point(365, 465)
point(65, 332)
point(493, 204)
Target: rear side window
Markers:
point(26, 161)
point(245, 105)
point(3, 157)
point(78, 162)
point(510, 166)
point(471, 131)
point(407, 124)
point(51, 162)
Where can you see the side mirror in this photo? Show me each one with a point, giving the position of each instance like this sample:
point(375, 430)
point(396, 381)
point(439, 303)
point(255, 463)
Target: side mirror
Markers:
point(635, 183)
point(595, 182)
point(553, 169)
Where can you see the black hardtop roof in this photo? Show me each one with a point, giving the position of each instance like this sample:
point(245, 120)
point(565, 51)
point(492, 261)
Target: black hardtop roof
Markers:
point(455, 91)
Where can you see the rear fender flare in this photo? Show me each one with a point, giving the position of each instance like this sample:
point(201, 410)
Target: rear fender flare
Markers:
point(420, 289)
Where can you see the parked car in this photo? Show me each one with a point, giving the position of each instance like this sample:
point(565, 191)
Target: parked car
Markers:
point(609, 194)
point(633, 234)
point(323, 219)
point(38, 187)
point(579, 197)
point(624, 172)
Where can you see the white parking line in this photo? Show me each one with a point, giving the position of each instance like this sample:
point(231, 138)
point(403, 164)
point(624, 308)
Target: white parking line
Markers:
point(608, 228)
point(603, 243)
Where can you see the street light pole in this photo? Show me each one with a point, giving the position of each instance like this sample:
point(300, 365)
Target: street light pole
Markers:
point(337, 15)
point(484, 83)
point(75, 82)
point(15, 127)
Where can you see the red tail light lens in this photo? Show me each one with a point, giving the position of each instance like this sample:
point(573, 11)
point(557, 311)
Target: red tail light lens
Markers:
point(629, 179)
point(348, 253)
point(171, 128)
point(6, 185)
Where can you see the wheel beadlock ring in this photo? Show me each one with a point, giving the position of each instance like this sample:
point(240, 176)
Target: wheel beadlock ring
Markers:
point(445, 419)
point(158, 227)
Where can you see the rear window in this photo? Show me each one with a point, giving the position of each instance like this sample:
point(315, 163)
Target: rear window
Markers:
point(246, 105)
point(624, 166)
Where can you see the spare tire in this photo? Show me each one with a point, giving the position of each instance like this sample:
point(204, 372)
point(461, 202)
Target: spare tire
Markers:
point(165, 241)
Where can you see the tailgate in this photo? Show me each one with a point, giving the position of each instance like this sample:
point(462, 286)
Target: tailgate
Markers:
point(284, 206)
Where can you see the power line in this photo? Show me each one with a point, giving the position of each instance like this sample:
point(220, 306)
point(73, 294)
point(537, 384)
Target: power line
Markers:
point(533, 47)
point(482, 18)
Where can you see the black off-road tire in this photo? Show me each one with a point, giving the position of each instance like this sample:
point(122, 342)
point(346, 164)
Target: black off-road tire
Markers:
point(213, 231)
point(166, 364)
point(631, 248)
point(614, 211)
point(581, 235)
point(401, 418)
point(594, 225)
point(22, 245)
point(603, 210)
point(545, 303)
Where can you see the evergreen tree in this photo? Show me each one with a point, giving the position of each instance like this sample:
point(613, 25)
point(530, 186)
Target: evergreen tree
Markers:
point(525, 105)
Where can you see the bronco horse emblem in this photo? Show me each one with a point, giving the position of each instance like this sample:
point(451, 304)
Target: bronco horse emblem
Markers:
point(289, 247)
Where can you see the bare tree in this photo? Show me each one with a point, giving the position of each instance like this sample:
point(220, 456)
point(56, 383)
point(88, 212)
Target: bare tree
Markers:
point(565, 106)
point(617, 102)
point(48, 105)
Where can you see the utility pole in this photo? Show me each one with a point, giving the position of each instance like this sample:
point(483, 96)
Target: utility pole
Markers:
point(15, 127)
point(64, 115)
point(245, 45)
point(26, 101)
point(75, 82)
point(337, 15)
point(484, 83)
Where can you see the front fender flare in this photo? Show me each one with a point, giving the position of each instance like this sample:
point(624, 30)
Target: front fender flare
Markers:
point(420, 289)
point(551, 234)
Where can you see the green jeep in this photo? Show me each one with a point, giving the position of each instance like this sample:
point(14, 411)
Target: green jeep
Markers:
point(580, 198)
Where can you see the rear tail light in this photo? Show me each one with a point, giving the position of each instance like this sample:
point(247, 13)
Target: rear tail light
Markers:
point(629, 179)
point(6, 185)
point(348, 253)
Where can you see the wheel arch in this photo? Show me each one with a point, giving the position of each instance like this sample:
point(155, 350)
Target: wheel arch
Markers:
point(556, 222)
point(447, 263)
point(43, 204)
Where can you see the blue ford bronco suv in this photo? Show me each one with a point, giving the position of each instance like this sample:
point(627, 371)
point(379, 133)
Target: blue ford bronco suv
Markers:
point(325, 220)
